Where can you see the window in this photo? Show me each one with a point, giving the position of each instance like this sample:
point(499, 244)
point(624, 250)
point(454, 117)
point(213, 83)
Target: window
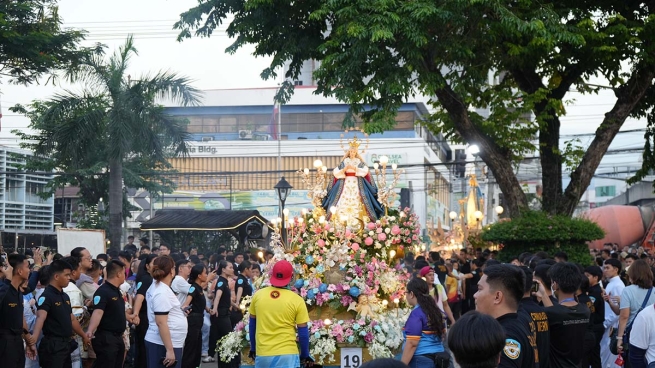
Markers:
point(606, 191)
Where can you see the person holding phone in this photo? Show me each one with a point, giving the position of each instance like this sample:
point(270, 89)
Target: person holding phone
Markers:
point(167, 324)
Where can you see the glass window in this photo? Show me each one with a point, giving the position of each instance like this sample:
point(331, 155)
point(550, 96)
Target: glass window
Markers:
point(228, 125)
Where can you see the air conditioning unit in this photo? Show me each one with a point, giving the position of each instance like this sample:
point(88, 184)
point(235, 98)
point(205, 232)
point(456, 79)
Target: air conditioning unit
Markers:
point(207, 139)
point(245, 134)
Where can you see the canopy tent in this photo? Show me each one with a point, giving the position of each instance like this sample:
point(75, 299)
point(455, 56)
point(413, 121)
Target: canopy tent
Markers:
point(191, 219)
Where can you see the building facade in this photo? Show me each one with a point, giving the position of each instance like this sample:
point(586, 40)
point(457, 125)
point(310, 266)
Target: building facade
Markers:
point(235, 159)
point(26, 219)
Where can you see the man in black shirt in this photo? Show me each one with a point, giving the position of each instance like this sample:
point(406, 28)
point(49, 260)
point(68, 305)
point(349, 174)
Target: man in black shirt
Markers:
point(499, 291)
point(12, 321)
point(529, 308)
point(108, 320)
point(595, 274)
point(568, 320)
point(470, 281)
point(55, 317)
point(130, 246)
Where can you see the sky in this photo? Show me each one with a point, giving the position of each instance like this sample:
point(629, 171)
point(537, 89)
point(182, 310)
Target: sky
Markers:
point(204, 60)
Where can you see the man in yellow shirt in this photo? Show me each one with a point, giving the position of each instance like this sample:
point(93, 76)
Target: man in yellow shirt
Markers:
point(275, 313)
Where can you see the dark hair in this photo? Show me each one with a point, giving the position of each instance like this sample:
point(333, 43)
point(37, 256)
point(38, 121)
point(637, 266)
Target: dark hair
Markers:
point(195, 259)
point(125, 254)
point(162, 267)
point(179, 264)
point(73, 262)
point(44, 275)
point(633, 256)
point(640, 274)
point(584, 285)
point(420, 264)
point(614, 263)
point(434, 256)
point(196, 271)
point(15, 260)
point(525, 257)
point(476, 340)
point(421, 290)
point(244, 265)
point(547, 261)
point(221, 250)
point(541, 272)
point(221, 265)
point(507, 278)
point(491, 262)
point(527, 287)
point(95, 266)
point(57, 256)
point(562, 255)
point(143, 247)
point(566, 275)
point(131, 237)
point(164, 245)
point(111, 254)
point(478, 262)
point(409, 257)
point(57, 267)
point(114, 267)
point(77, 253)
point(143, 271)
point(594, 271)
point(384, 363)
point(541, 254)
point(605, 251)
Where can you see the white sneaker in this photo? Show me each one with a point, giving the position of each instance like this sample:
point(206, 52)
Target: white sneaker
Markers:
point(208, 359)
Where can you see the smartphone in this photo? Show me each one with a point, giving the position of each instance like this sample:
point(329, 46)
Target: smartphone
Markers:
point(187, 308)
point(535, 286)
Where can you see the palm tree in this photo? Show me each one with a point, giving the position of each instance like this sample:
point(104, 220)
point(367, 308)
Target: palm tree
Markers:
point(117, 117)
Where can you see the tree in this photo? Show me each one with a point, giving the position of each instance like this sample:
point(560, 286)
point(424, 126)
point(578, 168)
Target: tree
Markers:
point(114, 124)
point(32, 42)
point(379, 52)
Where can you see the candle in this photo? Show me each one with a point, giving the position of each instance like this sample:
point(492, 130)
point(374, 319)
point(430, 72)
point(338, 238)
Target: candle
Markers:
point(318, 164)
point(385, 303)
point(394, 167)
point(392, 254)
point(303, 211)
point(324, 169)
point(327, 322)
point(306, 171)
point(285, 212)
point(384, 160)
point(321, 219)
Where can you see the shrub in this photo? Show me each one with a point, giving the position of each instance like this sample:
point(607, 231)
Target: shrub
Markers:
point(537, 231)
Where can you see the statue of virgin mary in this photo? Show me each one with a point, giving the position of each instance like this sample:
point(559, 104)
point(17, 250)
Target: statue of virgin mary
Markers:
point(352, 192)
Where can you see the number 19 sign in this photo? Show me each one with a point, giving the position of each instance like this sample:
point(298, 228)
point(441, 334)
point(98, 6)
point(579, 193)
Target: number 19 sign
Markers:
point(351, 357)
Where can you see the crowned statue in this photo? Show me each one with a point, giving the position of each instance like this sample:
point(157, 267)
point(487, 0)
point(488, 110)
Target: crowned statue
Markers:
point(352, 194)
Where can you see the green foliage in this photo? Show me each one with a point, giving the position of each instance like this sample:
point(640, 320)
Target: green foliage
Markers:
point(537, 231)
point(32, 42)
point(375, 54)
point(113, 126)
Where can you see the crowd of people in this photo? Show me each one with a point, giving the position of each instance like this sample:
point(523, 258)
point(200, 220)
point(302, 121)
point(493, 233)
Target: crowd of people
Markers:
point(143, 307)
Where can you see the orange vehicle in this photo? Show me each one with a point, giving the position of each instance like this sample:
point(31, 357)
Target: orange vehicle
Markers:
point(624, 225)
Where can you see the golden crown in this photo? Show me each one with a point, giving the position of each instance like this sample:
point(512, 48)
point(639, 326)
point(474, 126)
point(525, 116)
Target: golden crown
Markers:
point(355, 143)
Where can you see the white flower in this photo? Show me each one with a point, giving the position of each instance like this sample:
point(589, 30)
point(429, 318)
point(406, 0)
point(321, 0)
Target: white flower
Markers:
point(387, 230)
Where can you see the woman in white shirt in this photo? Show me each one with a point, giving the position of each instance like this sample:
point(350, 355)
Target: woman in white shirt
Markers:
point(167, 327)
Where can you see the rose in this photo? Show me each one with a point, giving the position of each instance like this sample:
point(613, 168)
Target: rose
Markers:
point(321, 242)
point(370, 226)
point(378, 230)
point(368, 241)
point(395, 230)
point(382, 237)
point(355, 247)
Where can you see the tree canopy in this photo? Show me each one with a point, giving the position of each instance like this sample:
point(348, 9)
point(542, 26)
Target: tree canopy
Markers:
point(115, 125)
point(378, 53)
point(32, 42)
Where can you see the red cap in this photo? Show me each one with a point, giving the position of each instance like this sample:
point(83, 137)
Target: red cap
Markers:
point(282, 273)
point(425, 270)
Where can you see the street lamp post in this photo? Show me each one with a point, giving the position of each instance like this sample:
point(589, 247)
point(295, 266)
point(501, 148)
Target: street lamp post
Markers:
point(478, 217)
point(453, 216)
point(283, 189)
point(499, 211)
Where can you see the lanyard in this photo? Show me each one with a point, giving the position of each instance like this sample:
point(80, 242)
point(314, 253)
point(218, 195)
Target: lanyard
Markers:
point(567, 300)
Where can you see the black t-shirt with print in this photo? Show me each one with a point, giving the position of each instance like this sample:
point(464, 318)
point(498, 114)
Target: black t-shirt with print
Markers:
point(243, 283)
point(198, 301)
point(58, 306)
point(597, 307)
point(568, 326)
point(224, 302)
point(537, 314)
point(518, 351)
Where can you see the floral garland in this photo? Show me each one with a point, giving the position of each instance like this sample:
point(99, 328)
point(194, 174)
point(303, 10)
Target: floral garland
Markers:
point(335, 268)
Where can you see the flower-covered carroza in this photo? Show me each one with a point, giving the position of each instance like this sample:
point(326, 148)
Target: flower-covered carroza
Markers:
point(345, 262)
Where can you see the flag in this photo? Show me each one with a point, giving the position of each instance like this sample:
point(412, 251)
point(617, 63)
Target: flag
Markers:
point(272, 125)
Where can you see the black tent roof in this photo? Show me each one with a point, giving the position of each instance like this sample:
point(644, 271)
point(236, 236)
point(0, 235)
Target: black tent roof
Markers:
point(191, 219)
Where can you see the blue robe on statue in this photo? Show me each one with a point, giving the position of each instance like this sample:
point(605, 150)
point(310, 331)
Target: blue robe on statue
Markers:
point(367, 189)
